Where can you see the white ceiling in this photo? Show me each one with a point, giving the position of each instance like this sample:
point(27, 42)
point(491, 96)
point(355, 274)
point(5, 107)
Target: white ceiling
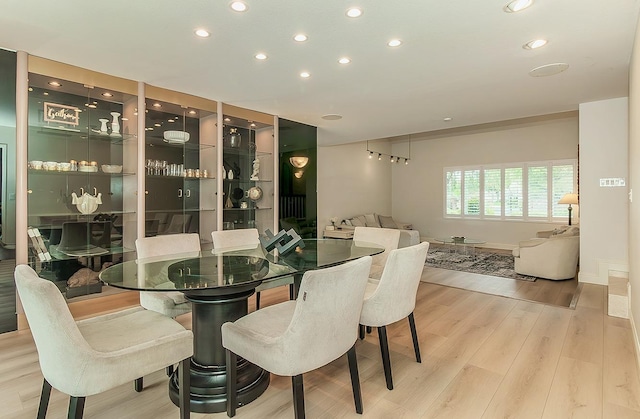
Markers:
point(459, 59)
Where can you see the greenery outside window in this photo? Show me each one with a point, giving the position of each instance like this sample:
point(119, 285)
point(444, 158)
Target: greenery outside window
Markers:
point(522, 191)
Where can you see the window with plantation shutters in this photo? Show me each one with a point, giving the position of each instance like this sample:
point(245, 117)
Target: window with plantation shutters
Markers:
point(517, 191)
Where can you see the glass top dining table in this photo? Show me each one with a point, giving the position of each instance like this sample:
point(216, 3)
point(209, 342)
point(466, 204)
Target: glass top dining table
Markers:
point(231, 269)
point(218, 285)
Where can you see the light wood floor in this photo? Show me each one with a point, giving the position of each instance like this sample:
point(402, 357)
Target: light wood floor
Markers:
point(483, 356)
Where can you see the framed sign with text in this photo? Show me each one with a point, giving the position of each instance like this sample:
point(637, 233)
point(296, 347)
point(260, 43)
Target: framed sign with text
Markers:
point(62, 114)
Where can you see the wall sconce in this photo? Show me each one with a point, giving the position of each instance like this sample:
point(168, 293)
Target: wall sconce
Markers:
point(298, 173)
point(299, 162)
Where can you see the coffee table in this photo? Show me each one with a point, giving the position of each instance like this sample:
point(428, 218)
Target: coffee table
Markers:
point(461, 243)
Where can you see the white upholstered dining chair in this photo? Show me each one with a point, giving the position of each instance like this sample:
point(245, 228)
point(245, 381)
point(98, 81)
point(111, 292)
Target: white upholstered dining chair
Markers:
point(248, 238)
point(394, 298)
point(389, 238)
point(170, 303)
point(92, 356)
point(295, 337)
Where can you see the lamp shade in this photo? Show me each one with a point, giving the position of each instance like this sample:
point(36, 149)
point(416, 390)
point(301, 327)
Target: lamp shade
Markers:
point(299, 162)
point(570, 198)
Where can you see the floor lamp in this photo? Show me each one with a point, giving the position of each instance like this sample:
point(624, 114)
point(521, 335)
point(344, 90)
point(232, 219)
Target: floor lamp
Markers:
point(570, 198)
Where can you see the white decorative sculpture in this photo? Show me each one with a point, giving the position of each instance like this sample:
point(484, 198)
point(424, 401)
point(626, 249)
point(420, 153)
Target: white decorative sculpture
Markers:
point(86, 204)
point(256, 170)
point(115, 124)
point(103, 125)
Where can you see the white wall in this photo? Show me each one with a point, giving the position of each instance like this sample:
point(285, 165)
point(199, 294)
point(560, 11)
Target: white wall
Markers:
point(417, 190)
point(634, 181)
point(349, 183)
point(604, 210)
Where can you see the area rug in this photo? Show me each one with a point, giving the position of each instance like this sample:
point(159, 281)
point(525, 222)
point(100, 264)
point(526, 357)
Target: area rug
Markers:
point(483, 262)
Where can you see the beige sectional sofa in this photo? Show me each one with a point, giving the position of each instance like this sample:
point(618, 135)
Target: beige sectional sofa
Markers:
point(408, 236)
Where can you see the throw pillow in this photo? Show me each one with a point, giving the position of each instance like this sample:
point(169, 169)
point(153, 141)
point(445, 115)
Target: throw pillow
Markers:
point(371, 220)
point(387, 222)
point(357, 222)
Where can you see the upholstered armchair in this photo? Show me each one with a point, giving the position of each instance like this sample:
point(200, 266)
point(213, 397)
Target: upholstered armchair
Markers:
point(553, 258)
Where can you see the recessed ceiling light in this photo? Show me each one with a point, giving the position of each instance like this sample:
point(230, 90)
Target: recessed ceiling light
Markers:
point(107, 94)
point(344, 60)
point(447, 119)
point(46, 93)
point(239, 6)
point(253, 125)
point(157, 125)
point(394, 43)
point(261, 56)
point(517, 5)
point(92, 105)
point(227, 120)
point(171, 120)
point(202, 33)
point(548, 69)
point(332, 117)
point(305, 75)
point(157, 105)
point(536, 43)
point(300, 37)
point(354, 12)
point(31, 89)
point(192, 112)
point(54, 84)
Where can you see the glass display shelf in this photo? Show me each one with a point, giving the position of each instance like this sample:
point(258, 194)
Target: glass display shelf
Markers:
point(77, 215)
point(248, 209)
point(62, 133)
point(155, 141)
point(244, 152)
point(38, 172)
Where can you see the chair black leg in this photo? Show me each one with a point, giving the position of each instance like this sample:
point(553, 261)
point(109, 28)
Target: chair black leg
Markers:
point(169, 370)
point(292, 292)
point(138, 384)
point(386, 360)
point(44, 399)
point(258, 300)
point(355, 378)
point(184, 388)
point(298, 396)
point(414, 335)
point(369, 329)
point(232, 396)
point(361, 331)
point(76, 407)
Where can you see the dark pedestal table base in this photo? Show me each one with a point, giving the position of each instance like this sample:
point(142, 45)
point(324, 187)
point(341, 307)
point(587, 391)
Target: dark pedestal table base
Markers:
point(208, 369)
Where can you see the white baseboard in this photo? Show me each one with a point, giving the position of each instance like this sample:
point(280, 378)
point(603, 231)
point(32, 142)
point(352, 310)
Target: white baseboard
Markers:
point(587, 278)
point(636, 342)
point(606, 268)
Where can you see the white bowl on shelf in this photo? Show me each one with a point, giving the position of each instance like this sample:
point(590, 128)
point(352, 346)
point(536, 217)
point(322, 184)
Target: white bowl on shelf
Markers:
point(88, 169)
point(176, 137)
point(112, 168)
